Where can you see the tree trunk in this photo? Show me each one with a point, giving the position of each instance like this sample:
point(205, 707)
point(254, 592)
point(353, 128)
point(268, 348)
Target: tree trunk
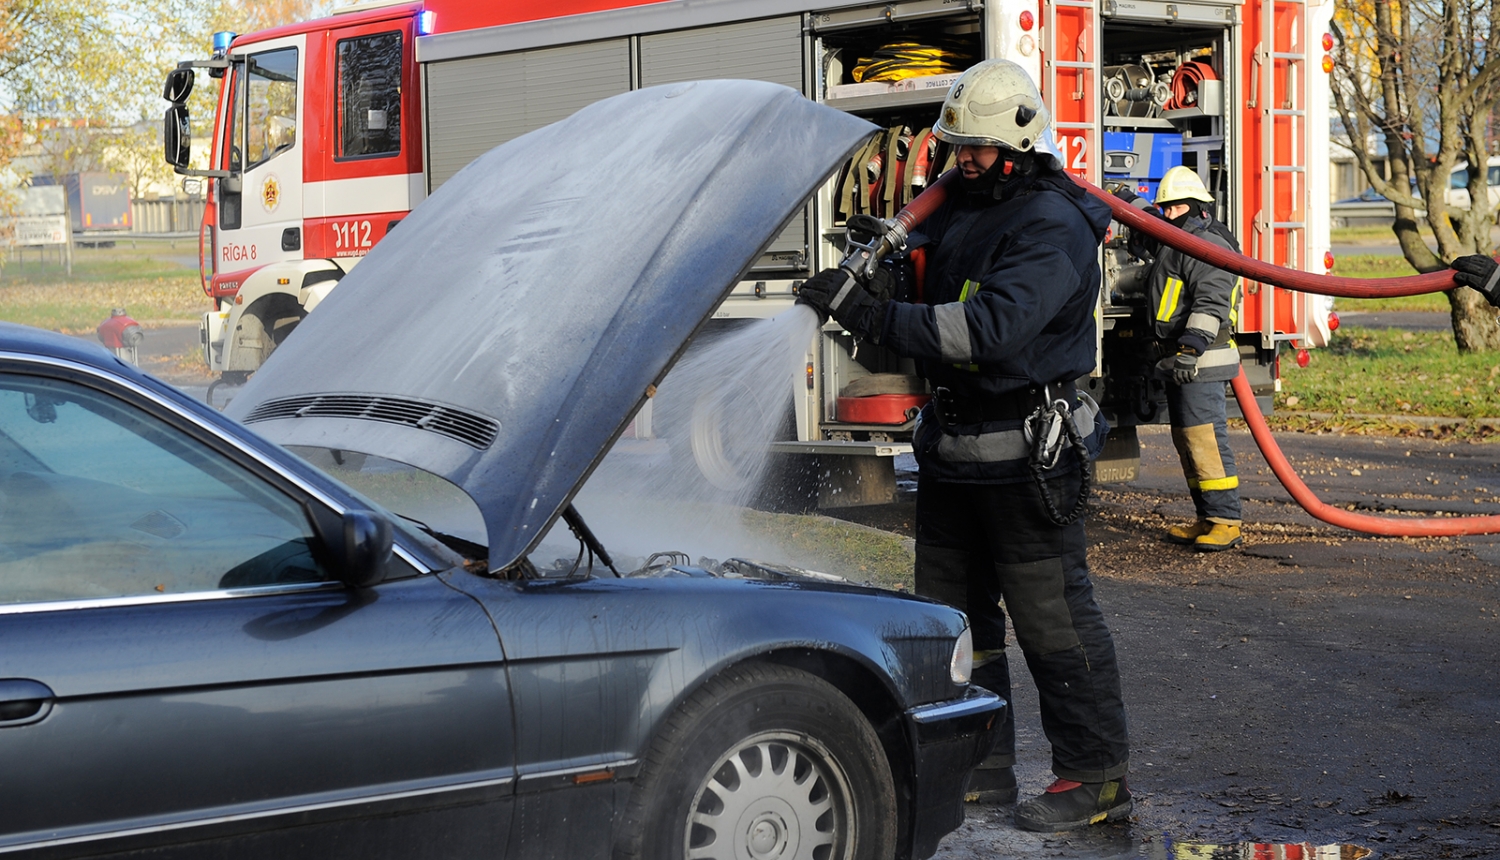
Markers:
point(1476, 323)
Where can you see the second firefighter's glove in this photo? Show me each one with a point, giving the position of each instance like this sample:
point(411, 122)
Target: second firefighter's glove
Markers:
point(1185, 366)
point(836, 293)
point(1126, 193)
point(1481, 273)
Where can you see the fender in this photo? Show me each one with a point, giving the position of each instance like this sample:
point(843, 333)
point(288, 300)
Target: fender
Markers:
point(270, 301)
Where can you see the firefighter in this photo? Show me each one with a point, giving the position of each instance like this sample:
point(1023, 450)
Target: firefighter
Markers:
point(1481, 273)
point(1006, 327)
point(1193, 313)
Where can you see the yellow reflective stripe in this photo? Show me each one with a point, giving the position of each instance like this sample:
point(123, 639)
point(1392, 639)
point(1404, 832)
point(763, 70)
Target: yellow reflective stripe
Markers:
point(1234, 304)
point(1228, 483)
point(1169, 298)
point(970, 288)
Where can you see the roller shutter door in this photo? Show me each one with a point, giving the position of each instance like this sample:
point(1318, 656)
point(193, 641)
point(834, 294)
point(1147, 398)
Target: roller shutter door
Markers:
point(477, 103)
point(769, 50)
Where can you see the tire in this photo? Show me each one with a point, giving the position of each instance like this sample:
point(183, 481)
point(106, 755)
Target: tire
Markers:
point(763, 761)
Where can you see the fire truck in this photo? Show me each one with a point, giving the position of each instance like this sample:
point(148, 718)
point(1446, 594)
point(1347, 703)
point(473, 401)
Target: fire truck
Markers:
point(328, 132)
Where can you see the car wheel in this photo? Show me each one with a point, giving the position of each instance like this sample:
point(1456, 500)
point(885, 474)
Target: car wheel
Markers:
point(762, 762)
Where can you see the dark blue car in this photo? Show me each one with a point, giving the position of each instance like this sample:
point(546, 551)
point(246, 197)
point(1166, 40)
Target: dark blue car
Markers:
point(210, 648)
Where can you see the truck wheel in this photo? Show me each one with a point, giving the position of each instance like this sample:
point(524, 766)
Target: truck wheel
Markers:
point(763, 761)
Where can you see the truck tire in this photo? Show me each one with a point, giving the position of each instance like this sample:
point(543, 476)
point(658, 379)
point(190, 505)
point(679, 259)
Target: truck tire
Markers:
point(763, 761)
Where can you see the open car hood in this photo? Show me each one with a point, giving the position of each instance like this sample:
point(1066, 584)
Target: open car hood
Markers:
point(505, 333)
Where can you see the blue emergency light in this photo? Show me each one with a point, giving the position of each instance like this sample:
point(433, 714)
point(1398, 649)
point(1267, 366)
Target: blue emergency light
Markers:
point(425, 21)
point(221, 42)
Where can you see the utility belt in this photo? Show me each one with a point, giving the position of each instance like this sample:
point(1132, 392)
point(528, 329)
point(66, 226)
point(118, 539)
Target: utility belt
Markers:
point(952, 410)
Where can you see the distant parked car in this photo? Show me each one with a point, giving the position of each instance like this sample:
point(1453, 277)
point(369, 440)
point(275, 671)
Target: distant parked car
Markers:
point(1457, 195)
point(1364, 210)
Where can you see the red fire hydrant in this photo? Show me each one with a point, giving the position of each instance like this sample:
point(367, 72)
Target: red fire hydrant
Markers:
point(121, 335)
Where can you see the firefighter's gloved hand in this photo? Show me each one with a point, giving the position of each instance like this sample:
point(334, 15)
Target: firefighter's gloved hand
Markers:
point(1481, 273)
point(836, 293)
point(819, 291)
point(1126, 193)
point(1185, 366)
point(881, 285)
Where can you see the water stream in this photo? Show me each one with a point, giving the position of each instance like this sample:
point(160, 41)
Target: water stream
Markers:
point(713, 420)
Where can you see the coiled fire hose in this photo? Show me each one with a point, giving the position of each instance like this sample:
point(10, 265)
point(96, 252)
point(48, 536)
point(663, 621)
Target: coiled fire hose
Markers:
point(1329, 285)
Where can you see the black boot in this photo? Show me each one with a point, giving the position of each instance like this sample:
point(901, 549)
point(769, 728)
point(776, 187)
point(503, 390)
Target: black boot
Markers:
point(1067, 805)
point(991, 785)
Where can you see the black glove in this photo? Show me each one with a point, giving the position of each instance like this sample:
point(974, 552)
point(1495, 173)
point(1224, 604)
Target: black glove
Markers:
point(1126, 193)
point(1481, 273)
point(836, 293)
point(1185, 366)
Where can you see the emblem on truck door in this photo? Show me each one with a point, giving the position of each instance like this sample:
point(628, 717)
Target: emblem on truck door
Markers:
point(270, 193)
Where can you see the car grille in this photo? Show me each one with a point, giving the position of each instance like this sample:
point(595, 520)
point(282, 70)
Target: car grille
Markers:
point(468, 428)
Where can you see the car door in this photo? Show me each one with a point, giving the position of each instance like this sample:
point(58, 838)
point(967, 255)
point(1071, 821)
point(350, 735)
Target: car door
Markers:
point(177, 667)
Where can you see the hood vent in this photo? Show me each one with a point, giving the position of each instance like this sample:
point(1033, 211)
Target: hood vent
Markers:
point(468, 428)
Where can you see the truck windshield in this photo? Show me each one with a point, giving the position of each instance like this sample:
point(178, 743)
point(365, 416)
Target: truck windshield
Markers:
point(270, 105)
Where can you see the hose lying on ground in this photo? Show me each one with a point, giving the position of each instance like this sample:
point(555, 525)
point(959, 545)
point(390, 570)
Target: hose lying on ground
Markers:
point(1359, 288)
point(1393, 526)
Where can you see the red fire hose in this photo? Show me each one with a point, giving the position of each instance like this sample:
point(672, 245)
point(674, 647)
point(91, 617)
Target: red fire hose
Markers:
point(1360, 288)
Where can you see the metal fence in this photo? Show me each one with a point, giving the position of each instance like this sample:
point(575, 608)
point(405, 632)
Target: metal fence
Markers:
point(166, 216)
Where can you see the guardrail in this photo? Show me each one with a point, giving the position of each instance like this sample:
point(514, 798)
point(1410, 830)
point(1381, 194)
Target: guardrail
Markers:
point(1373, 213)
point(166, 216)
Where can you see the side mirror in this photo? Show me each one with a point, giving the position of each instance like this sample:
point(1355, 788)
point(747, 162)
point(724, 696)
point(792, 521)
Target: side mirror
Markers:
point(368, 540)
point(176, 137)
point(355, 547)
point(179, 86)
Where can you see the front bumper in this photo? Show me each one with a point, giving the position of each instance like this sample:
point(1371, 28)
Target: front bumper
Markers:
point(948, 739)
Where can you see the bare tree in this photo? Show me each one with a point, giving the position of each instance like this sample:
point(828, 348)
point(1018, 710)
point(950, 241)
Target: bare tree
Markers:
point(1423, 76)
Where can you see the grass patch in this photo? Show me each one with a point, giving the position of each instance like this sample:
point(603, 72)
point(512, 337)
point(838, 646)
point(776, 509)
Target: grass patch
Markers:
point(833, 546)
point(125, 259)
point(146, 277)
point(1393, 372)
point(1384, 266)
point(78, 307)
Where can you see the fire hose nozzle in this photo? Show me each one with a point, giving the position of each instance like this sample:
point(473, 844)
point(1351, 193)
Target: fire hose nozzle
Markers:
point(868, 240)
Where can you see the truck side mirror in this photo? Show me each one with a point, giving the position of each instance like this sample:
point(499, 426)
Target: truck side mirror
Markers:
point(176, 137)
point(179, 86)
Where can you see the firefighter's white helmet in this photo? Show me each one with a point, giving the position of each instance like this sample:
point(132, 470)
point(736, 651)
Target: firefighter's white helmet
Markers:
point(1179, 184)
point(995, 103)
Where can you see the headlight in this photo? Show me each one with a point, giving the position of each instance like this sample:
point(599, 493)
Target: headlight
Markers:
point(961, 667)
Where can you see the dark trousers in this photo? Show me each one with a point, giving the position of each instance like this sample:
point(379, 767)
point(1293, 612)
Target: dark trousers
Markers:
point(978, 544)
point(1201, 434)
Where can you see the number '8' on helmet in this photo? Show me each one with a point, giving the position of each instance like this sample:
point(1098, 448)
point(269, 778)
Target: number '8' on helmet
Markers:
point(995, 103)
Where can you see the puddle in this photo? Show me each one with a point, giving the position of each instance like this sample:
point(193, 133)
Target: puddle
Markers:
point(1124, 843)
point(1168, 849)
